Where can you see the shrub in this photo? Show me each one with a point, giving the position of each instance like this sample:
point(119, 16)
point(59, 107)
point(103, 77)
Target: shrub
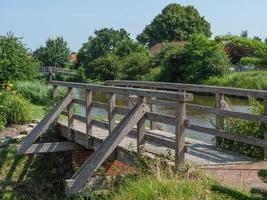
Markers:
point(245, 128)
point(248, 80)
point(35, 91)
point(13, 109)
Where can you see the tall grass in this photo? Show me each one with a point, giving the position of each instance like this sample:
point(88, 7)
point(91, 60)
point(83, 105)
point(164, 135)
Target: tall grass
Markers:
point(248, 80)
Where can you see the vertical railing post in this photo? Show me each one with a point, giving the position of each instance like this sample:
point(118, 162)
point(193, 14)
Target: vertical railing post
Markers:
point(50, 74)
point(180, 117)
point(153, 124)
point(141, 131)
point(111, 112)
point(55, 92)
point(88, 109)
point(219, 104)
point(70, 115)
point(265, 132)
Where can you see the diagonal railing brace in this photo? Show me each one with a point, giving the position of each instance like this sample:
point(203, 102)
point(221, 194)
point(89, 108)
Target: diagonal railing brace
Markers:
point(44, 124)
point(79, 179)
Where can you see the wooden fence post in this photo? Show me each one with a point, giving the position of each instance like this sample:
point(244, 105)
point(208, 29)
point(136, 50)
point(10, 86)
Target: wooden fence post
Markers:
point(55, 91)
point(111, 112)
point(88, 109)
point(70, 115)
point(265, 133)
point(219, 104)
point(50, 74)
point(180, 116)
point(153, 125)
point(141, 131)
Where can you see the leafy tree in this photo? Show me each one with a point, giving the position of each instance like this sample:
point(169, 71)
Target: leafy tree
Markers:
point(104, 42)
point(194, 62)
point(265, 40)
point(107, 67)
point(135, 65)
point(238, 47)
point(244, 34)
point(174, 23)
point(16, 63)
point(55, 53)
point(257, 38)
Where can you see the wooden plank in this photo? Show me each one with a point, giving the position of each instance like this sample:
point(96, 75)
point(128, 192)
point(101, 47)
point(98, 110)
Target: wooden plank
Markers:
point(78, 180)
point(265, 132)
point(70, 112)
point(219, 104)
point(43, 125)
point(141, 135)
point(52, 147)
point(88, 114)
point(180, 116)
point(230, 136)
point(123, 90)
point(191, 88)
point(153, 125)
point(111, 112)
point(55, 91)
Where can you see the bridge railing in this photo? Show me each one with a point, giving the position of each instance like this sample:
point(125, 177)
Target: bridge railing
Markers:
point(218, 110)
point(56, 70)
point(175, 99)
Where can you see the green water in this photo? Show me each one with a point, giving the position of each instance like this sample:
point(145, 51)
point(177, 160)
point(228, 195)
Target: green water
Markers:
point(197, 118)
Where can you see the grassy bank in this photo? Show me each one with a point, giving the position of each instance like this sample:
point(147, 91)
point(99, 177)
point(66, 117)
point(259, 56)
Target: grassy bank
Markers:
point(248, 80)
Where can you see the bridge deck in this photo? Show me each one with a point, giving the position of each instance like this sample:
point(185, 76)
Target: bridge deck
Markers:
point(200, 153)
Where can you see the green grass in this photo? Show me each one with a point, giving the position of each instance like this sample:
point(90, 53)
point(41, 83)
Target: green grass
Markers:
point(248, 80)
point(36, 112)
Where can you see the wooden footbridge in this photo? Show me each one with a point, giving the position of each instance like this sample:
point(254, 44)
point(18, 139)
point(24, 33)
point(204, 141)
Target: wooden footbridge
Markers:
point(116, 139)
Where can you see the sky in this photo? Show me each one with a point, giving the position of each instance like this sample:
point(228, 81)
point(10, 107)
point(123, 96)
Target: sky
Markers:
point(37, 20)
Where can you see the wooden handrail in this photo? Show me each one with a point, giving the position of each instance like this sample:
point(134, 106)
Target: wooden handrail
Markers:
point(191, 88)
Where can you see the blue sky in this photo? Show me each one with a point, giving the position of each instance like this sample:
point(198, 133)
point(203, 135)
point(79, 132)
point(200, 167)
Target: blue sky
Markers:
point(76, 20)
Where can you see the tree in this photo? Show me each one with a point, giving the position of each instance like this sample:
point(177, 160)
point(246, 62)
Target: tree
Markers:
point(135, 65)
point(107, 67)
point(174, 23)
point(55, 53)
point(104, 42)
point(194, 62)
point(257, 38)
point(16, 63)
point(244, 34)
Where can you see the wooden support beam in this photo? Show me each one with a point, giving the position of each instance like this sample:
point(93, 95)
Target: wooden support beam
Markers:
point(111, 112)
point(104, 150)
point(52, 147)
point(55, 91)
point(88, 110)
point(43, 125)
point(180, 116)
point(265, 133)
point(70, 112)
point(219, 104)
point(141, 137)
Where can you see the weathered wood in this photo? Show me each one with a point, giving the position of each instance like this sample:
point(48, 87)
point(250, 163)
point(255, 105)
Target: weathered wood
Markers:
point(180, 116)
point(111, 112)
point(70, 112)
point(141, 134)
point(88, 114)
point(265, 132)
point(230, 136)
point(191, 88)
point(55, 91)
point(52, 147)
point(43, 125)
point(133, 91)
point(219, 104)
point(105, 149)
point(153, 125)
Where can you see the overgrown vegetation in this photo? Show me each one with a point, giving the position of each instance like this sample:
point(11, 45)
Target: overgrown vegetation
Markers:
point(254, 129)
point(248, 80)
